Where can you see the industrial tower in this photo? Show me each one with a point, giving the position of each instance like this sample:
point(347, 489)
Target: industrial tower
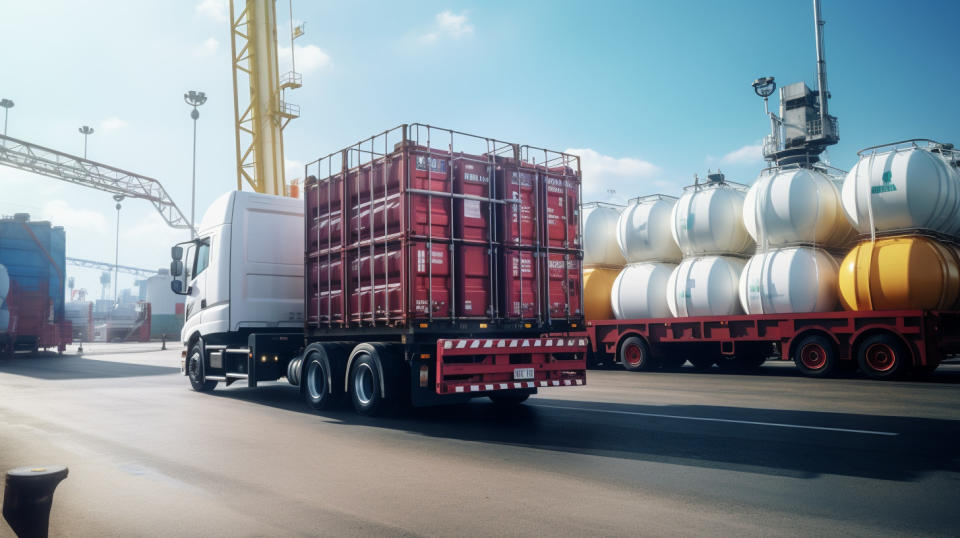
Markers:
point(260, 123)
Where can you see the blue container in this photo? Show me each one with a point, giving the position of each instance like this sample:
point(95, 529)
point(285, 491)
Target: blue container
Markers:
point(34, 253)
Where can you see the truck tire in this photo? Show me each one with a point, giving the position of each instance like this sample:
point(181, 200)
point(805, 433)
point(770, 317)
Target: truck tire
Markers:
point(195, 370)
point(635, 355)
point(508, 399)
point(883, 356)
point(365, 381)
point(315, 381)
point(815, 355)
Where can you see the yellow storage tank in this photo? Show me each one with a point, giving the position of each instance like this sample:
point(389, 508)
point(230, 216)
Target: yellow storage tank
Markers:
point(900, 273)
point(597, 283)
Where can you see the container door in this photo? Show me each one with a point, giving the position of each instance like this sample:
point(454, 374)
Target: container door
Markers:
point(519, 188)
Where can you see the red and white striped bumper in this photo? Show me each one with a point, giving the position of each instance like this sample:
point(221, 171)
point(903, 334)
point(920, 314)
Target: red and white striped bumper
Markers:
point(485, 365)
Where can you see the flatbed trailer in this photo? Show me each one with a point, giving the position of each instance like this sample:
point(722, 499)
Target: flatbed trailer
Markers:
point(882, 344)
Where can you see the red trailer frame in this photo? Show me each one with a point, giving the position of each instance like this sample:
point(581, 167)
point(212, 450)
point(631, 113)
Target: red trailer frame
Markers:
point(884, 344)
point(31, 326)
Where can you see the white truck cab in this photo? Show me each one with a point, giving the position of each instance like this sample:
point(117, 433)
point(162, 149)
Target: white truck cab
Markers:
point(243, 271)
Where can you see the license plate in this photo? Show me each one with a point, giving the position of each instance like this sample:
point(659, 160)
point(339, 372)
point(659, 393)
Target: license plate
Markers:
point(523, 373)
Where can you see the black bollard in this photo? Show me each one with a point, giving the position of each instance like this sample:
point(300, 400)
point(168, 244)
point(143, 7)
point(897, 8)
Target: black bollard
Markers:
point(163, 340)
point(28, 496)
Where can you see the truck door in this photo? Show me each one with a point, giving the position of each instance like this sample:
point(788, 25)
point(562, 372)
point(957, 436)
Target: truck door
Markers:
point(196, 301)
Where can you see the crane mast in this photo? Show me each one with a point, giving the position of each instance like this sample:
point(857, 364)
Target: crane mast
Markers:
point(260, 118)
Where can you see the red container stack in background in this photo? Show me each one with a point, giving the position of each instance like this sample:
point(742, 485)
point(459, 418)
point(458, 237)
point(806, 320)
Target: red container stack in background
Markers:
point(421, 226)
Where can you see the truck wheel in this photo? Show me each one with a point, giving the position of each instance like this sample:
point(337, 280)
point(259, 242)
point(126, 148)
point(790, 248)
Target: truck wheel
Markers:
point(635, 355)
point(195, 371)
point(508, 399)
point(315, 381)
point(815, 355)
point(883, 356)
point(365, 381)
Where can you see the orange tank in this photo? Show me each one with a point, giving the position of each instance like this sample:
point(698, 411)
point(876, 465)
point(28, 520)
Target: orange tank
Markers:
point(900, 273)
point(597, 283)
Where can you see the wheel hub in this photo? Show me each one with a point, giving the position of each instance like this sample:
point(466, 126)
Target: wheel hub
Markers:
point(813, 356)
point(363, 384)
point(880, 357)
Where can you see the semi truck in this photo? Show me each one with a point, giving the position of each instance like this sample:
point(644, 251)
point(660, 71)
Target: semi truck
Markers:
point(413, 272)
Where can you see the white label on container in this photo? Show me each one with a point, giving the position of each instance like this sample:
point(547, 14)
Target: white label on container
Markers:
point(471, 209)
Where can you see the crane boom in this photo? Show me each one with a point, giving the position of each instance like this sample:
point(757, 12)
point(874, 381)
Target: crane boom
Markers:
point(260, 123)
point(103, 266)
point(59, 165)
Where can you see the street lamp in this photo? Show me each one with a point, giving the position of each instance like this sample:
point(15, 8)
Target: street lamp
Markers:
point(194, 99)
point(7, 105)
point(85, 131)
point(116, 253)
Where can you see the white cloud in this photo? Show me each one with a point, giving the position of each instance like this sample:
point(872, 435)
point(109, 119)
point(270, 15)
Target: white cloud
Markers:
point(207, 48)
point(112, 124)
point(448, 24)
point(62, 213)
point(213, 9)
point(140, 222)
point(616, 179)
point(308, 57)
point(749, 154)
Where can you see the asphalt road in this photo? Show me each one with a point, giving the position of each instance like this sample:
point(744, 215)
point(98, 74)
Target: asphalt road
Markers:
point(629, 454)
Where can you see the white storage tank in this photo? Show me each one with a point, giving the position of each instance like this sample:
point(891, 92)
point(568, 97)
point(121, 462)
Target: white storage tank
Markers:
point(705, 286)
point(644, 230)
point(789, 280)
point(638, 291)
point(797, 205)
point(708, 219)
point(906, 188)
point(598, 226)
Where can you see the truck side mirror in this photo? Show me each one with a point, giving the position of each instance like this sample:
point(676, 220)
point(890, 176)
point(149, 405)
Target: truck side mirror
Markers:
point(176, 268)
point(176, 286)
point(176, 252)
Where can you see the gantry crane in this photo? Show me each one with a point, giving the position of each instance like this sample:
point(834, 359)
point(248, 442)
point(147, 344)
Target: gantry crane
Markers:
point(59, 165)
point(260, 123)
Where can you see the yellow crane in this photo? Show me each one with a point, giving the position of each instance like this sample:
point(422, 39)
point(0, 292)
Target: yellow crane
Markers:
point(260, 123)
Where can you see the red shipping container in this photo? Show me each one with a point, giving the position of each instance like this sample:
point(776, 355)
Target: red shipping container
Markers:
point(428, 235)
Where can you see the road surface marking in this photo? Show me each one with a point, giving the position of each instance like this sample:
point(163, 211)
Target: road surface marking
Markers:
point(706, 419)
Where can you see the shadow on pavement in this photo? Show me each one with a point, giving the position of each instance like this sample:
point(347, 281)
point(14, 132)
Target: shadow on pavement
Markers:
point(629, 432)
point(948, 373)
point(75, 367)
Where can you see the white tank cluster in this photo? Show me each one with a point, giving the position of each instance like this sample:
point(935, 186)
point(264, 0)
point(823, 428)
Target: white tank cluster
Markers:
point(708, 227)
point(4, 290)
point(903, 188)
point(645, 237)
point(793, 213)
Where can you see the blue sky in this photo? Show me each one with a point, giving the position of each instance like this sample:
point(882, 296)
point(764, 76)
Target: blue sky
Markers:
point(649, 92)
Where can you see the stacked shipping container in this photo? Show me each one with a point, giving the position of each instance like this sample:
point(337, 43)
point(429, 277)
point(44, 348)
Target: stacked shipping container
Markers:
point(34, 255)
point(475, 233)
